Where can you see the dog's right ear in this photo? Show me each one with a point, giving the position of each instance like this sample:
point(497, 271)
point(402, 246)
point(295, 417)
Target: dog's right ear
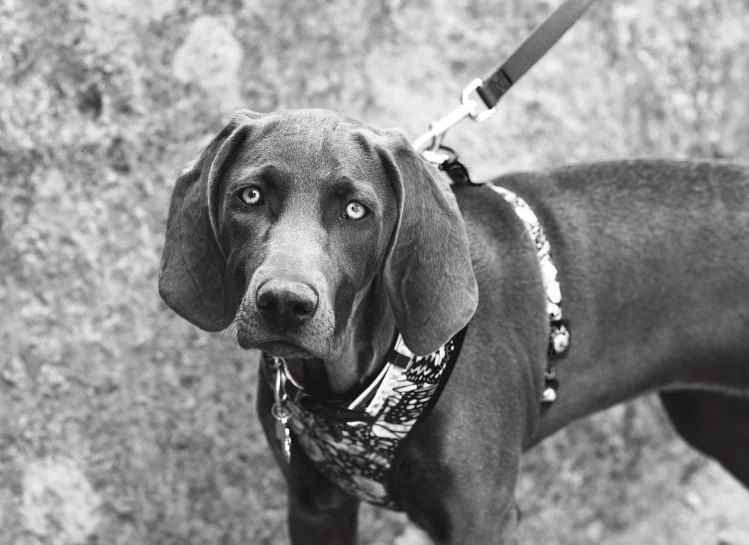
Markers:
point(193, 279)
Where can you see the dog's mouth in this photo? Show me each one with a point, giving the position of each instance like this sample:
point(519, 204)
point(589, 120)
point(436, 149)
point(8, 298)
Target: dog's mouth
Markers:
point(273, 346)
point(284, 349)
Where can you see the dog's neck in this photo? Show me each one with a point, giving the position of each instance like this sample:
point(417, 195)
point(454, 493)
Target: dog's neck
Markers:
point(371, 334)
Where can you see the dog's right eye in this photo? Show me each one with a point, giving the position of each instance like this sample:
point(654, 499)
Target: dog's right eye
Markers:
point(251, 196)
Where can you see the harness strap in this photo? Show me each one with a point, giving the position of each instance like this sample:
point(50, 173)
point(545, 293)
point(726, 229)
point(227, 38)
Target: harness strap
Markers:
point(559, 334)
point(446, 159)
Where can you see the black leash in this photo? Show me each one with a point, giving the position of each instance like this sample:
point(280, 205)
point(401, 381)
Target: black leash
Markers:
point(491, 91)
point(532, 49)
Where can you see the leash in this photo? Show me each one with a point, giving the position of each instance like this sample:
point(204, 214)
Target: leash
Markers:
point(498, 83)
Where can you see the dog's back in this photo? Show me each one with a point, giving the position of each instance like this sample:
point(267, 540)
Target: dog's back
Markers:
point(653, 262)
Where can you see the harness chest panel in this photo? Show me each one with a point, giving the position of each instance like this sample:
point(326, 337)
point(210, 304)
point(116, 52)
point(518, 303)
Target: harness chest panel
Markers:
point(360, 457)
point(361, 460)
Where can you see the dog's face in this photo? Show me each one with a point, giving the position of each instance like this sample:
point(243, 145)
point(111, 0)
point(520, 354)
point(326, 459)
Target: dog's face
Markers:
point(286, 218)
point(306, 212)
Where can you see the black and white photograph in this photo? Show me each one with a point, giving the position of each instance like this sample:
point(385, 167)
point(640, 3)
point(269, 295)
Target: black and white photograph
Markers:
point(397, 272)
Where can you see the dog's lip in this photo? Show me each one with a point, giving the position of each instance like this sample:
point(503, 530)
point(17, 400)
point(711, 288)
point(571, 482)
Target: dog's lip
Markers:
point(284, 349)
point(274, 344)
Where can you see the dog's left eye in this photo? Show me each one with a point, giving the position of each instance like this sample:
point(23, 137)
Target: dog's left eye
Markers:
point(355, 210)
point(251, 196)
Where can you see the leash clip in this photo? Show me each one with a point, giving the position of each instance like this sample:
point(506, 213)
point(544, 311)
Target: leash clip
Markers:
point(432, 139)
point(472, 105)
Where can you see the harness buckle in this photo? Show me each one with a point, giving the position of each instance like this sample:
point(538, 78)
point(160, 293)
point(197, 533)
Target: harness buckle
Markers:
point(446, 159)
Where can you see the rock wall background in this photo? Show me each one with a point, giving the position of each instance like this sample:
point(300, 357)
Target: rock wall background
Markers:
point(120, 423)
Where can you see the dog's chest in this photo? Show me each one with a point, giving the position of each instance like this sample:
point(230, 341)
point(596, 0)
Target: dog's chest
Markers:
point(360, 457)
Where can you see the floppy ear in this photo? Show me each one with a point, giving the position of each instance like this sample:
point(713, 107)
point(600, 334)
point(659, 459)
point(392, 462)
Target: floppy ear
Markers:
point(428, 273)
point(193, 279)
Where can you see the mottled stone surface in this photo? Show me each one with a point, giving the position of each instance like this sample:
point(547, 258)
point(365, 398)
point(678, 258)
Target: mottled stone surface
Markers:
point(210, 57)
point(58, 505)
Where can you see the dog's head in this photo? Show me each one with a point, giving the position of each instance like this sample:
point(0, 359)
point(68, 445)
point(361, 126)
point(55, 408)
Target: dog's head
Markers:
point(284, 220)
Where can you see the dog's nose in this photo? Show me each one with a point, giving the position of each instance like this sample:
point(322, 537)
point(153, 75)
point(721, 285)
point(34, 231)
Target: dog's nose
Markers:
point(286, 304)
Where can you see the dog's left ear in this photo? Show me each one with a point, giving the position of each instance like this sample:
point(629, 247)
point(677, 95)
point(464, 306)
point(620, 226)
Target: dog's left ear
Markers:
point(428, 272)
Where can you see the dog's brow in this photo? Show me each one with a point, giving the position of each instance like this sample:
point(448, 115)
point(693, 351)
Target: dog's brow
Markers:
point(345, 186)
point(342, 186)
point(268, 174)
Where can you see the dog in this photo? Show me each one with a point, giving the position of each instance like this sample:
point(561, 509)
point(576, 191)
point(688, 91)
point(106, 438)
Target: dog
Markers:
point(320, 239)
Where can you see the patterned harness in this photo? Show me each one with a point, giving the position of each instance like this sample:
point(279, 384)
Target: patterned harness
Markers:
point(361, 454)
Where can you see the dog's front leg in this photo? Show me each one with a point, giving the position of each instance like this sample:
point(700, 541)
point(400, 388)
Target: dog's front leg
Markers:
point(330, 522)
point(319, 512)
